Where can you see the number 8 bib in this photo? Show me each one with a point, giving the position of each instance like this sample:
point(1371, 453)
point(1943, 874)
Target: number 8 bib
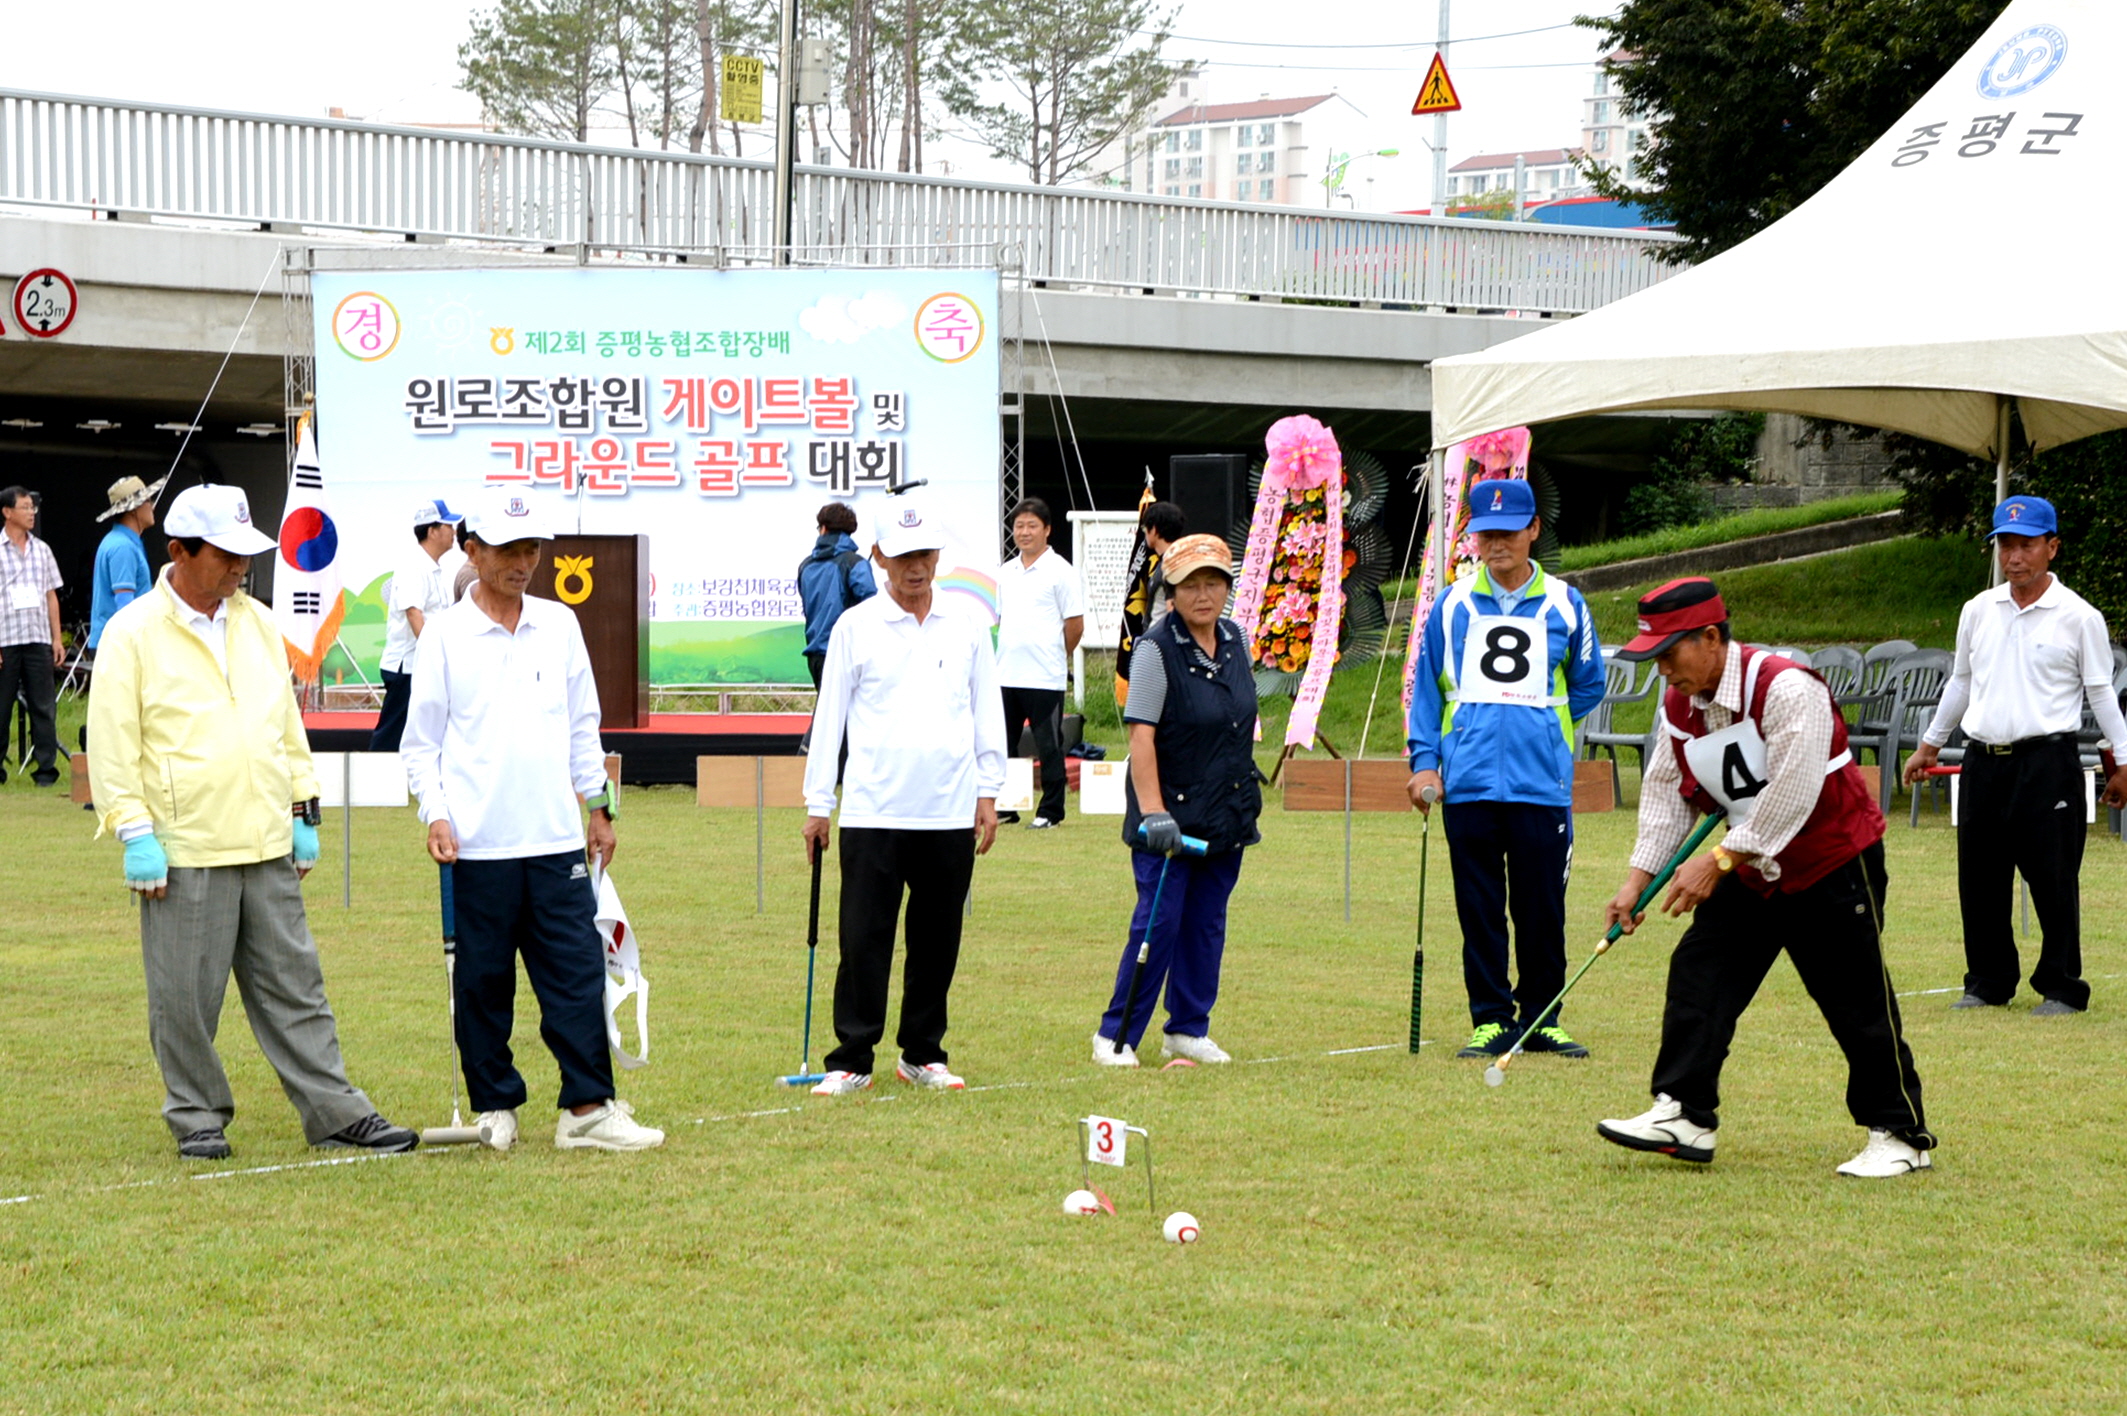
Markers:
point(1506, 660)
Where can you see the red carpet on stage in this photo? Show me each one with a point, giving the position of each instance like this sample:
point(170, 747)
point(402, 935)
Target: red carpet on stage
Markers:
point(662, 752)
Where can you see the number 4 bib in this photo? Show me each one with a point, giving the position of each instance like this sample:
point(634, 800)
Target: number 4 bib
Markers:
point(1730, 765)
point(1506, 660)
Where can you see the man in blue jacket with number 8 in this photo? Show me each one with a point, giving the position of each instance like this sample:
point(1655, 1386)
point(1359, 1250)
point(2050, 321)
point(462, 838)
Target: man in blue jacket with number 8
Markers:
point(1509, 666)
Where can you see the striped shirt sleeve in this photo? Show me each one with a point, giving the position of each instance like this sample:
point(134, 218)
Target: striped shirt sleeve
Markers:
point(1148, 684)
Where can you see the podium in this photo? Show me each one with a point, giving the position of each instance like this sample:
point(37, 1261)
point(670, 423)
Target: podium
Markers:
point(606, 581)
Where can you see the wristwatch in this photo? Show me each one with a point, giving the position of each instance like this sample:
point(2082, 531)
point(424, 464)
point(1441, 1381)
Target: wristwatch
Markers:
point(308, 813)
point(1722, 860)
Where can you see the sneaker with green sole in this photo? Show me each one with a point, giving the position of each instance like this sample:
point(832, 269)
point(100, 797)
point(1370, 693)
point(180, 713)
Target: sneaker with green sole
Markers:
point(1553, 1039)
point(1490, 1040)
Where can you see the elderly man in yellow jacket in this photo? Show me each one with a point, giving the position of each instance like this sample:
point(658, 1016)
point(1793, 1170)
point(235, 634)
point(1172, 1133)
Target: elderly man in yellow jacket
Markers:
point(202, 770)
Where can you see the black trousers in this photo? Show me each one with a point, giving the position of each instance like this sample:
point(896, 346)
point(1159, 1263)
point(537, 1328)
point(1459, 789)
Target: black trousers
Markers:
point(2022, 812)
point(27, 669)
point(540, 907)
point(1043, 708)
point(934, 868)
point(1483, 837)
point(1832, 933)
point(391, 720)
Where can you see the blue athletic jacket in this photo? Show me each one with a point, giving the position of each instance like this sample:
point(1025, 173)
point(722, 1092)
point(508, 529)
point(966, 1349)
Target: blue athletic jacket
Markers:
point(1505, 751)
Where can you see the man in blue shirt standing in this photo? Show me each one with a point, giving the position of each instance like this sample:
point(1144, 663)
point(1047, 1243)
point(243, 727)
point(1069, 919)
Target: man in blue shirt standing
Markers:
point(1509, 666)
point(830, 580)
point(122, 560)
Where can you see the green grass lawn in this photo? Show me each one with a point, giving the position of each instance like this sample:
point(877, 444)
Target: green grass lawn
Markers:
point(1382, 1233)
point(1736, 526)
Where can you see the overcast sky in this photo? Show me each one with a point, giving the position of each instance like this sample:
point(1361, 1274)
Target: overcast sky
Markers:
point(396, 61)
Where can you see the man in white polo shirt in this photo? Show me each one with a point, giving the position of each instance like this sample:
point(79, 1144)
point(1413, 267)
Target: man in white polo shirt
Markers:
point(501, 741)
point(1040, 616)
point(2030, 653)
point(419, 588)
point(909, 684)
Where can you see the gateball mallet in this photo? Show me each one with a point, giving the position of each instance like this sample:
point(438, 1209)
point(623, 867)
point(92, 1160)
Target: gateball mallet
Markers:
point(1496, 1074)
point(805, 1076)
point(457, 1133)
point(1429, 795)
point(1190, 845)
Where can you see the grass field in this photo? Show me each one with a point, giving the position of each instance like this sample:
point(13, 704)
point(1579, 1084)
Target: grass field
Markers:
point(1382, 1233)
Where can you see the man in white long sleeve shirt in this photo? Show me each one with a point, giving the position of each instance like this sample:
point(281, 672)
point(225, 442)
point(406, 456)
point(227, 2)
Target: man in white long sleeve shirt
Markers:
point(501, 741)
point(910, 681)
point(2030, 653)
point(1757, 737)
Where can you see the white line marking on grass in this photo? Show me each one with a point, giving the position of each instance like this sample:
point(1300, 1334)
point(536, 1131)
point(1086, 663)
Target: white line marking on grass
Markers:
point(297, 1165)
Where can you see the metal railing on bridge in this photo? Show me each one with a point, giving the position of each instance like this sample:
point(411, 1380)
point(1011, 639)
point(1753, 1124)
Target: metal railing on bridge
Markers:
point(135, 159)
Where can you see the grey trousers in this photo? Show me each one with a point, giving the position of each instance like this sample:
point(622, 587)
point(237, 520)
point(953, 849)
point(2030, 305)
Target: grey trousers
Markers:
point(247, 920)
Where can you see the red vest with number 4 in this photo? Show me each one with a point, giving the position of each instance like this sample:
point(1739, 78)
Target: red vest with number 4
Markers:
point(1730, 771)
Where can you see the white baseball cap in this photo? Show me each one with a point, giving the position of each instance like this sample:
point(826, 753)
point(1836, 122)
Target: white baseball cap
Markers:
point(428, 513)
point(906, 523)
point(499, 518)
point(220, 515)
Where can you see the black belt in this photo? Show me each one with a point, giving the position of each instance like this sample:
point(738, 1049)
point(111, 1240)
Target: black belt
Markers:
point(2010, 749)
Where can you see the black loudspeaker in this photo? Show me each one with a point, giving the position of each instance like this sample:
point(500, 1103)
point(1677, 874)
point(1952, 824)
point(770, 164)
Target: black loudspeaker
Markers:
point(1210, 488)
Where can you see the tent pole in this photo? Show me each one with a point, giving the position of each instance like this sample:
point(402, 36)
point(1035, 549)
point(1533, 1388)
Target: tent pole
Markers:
point(2001, 476)
point(1437, 495)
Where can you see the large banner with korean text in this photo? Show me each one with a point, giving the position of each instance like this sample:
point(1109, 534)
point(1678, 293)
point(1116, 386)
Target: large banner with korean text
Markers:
point(713, 411)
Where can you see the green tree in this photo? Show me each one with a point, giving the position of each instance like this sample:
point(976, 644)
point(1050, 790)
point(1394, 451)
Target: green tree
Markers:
point(1049, 83)
point(542, 67)
point(1752, 105)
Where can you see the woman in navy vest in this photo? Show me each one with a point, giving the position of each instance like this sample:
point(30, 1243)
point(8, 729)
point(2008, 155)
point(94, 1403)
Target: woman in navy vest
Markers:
point(1192, 716)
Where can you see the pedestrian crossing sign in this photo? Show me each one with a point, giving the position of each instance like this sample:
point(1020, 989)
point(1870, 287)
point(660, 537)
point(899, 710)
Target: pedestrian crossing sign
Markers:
point(1437, 94)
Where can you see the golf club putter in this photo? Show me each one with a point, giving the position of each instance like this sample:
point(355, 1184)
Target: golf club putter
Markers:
point(805, 1076)
point(1190, 845)
point(1430, 795)
point(1496, 1074)
point(457, 1133)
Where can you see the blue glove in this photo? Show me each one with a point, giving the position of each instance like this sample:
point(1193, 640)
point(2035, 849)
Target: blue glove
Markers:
point(1160, 833)
point(306, 844)
point(147, 868)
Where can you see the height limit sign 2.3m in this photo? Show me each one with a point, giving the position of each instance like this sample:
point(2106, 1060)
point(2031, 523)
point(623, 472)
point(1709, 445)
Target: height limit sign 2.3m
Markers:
point(44, 303)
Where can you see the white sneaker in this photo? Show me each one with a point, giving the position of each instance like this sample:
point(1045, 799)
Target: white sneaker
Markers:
point(498, 1129)
point(1663, 1130)
point(1196, 1049)
point(612, 1127)
point(842, 1083)
point(1886, 1156)
point(933, 1076)
point(1108, 1054)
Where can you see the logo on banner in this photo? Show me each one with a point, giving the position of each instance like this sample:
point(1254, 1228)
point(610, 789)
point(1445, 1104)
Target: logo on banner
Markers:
point(578, 569)
point(365, 326)
point(949, 328)
point(2023, 62)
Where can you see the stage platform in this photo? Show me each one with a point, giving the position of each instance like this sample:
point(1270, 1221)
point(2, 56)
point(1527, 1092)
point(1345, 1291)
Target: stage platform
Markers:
point(664, 752)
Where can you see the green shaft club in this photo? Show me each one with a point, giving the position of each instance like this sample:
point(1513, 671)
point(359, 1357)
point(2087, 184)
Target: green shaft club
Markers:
point(1496, 1074)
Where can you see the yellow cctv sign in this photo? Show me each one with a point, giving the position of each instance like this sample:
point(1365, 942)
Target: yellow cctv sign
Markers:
point(740, 101)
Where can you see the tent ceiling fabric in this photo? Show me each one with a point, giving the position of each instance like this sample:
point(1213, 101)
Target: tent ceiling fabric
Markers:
point(1970, 255)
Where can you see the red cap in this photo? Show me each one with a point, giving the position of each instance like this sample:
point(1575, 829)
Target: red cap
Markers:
point(1671, 612)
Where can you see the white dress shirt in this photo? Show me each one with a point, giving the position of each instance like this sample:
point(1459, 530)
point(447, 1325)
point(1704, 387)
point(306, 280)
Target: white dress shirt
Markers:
point(1033, 601)
point(2025, 673)
point(502, 730)
point(212, 626)
point(923, 716)
point(421, 584)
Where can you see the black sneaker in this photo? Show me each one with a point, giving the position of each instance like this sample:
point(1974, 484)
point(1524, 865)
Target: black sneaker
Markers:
point(374, 1133)
point(2055, 1008)
point(1490, 1040)
point(209, 1144)
point(1973, 1000)
point(1553, 1039)
point(1008, 818)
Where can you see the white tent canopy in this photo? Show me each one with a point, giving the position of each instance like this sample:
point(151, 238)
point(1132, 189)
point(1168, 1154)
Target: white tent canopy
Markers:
point(1970, 257)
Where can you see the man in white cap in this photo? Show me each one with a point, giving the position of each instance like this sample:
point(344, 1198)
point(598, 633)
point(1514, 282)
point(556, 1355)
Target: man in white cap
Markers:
point(203, 771)
point(122, 574)
point(501, 743)
point(912, 684)
point(419, 588)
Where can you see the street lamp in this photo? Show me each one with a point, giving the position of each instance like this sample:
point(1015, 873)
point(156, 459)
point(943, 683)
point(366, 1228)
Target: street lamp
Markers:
point(1339, 163)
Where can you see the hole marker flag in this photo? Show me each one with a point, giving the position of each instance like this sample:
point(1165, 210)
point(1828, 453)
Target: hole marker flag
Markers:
point(307, 603)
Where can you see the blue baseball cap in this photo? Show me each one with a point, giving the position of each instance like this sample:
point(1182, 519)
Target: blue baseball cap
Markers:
point(1501, 505)
point(2025, 516)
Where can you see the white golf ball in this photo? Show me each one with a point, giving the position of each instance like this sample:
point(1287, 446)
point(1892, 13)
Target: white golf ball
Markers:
point(1180, 1228)
point(1081, 1202)
point(1494, 1077)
